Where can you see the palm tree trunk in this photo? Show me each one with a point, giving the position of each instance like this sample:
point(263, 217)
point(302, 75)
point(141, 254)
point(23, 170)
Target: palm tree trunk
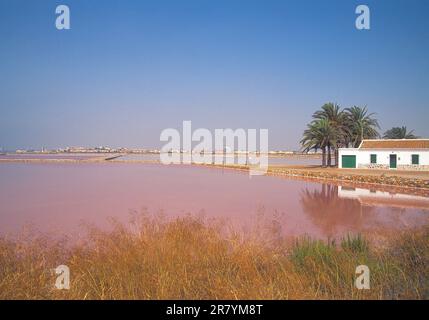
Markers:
point(324, 157)
point(336, 156)
point(329, 156)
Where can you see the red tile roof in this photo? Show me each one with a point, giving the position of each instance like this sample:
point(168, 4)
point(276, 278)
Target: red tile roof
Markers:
point(395, 144)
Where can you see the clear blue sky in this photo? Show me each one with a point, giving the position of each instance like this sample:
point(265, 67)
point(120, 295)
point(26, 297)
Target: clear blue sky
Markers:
point(129, 69)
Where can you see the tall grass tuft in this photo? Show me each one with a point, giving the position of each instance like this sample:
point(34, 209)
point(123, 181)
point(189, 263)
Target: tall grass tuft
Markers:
point(355, 244)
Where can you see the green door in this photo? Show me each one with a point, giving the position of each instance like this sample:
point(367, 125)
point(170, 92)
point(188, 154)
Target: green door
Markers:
point(393, 161)
point(348, 161)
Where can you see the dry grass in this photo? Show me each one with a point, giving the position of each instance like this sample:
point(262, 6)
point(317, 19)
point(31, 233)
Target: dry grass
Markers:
point(190, 259)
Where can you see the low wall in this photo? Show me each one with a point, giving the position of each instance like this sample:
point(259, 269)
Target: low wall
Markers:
point(373, 166)
point(408, 167)
point(413, 167)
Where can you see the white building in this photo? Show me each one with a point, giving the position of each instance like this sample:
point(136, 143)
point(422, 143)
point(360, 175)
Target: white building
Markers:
point(400, 154)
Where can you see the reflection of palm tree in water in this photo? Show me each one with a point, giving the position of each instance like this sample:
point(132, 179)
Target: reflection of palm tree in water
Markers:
point(330, 212)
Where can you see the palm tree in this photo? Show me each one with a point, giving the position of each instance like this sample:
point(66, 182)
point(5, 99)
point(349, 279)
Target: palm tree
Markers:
point(361, 124)
point(399, 133)
point(338, 120)
point(312, 140)
point(333, 128)
point(320, 134)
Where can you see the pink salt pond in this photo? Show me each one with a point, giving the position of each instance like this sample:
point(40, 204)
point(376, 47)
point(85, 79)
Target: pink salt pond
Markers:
point(59, 197)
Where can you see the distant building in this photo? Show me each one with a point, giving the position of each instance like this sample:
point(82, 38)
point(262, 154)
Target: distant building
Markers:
point(400, 154)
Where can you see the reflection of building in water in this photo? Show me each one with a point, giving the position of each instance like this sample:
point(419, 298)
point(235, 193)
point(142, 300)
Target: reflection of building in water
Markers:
point(383, 198)
point(336, 210)
point(331, 213)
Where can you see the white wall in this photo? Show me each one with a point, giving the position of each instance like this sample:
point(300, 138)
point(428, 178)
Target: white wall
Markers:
point(403, 156)
point(349, 152)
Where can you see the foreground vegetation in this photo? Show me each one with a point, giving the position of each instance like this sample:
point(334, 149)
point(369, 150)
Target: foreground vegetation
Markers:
point(191, 259)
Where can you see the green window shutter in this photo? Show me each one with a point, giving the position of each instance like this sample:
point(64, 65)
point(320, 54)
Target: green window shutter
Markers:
point(414, 159)
point(373, 158)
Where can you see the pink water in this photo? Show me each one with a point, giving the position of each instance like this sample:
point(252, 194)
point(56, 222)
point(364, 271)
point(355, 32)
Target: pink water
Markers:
point(289, 160)
point(59, 197)
point(51, 156)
